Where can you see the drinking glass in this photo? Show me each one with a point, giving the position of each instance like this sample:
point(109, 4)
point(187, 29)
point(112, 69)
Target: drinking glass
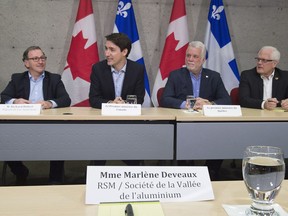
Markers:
point(190, 100)
point(263, 171)
point(131, 99)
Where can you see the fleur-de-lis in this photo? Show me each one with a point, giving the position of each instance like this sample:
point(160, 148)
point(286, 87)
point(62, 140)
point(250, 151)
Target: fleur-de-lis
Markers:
point(122, 9)
point(216, 12)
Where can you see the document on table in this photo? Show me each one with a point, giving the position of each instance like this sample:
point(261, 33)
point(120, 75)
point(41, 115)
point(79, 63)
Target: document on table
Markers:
point(139, 209)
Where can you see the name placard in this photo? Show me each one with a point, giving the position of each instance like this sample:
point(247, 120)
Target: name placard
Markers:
point(121, 109)
point(222, 110)
point(20, 109)
point(149, 183)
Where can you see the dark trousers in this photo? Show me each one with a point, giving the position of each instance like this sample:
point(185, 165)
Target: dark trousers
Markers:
point(56, 169)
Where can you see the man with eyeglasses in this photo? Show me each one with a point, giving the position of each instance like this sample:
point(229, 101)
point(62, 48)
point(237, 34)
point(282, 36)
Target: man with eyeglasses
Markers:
point(265, 86)
point(36, 86)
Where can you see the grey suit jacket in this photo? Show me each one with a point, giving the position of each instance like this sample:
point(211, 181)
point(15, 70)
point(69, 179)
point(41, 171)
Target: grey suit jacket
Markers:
point(251, 87)
point(102, 86)
point(179, 85)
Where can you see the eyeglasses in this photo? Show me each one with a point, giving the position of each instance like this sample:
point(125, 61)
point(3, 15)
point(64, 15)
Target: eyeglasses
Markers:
point(37, 59)
point(264, 61)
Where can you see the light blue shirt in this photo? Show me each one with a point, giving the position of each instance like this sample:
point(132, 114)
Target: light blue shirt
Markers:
point(195, 85)
point(118, 79)
point(36, 88)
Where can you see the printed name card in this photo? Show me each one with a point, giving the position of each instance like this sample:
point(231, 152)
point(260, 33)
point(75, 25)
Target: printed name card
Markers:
point(20, 109)
point(135, 184)
point(121, 109)
point(222, 110)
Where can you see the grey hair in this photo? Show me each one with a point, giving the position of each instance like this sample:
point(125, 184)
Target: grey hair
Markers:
point(275, 55)
point(199, 44)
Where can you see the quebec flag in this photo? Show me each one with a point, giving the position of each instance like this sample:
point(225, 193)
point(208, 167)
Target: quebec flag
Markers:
point(220, 55)
point(125, 22)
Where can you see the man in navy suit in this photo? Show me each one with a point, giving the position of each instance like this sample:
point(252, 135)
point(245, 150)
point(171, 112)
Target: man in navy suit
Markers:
point(206, 86)
point(265, 86)
point(116, 77)
point(36, 86)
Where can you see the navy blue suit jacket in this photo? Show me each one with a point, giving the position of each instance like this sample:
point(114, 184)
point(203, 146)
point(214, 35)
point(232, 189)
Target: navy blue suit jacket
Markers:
point(179, 85)
point(53, 89)
point(251, 87)
point(102, 86)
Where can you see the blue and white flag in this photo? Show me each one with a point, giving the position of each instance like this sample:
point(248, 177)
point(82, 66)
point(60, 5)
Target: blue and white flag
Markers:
point(220, 55)
point(125, 22)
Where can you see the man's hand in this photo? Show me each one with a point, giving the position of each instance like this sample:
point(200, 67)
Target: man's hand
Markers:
point(21, 101)
point(118, 100)
point(200, 102)
point(45, 104)
point(284, 104)
point(271, 103)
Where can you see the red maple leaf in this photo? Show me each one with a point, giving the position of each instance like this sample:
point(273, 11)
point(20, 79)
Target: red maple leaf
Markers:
point(80, 60)
point(172, 59)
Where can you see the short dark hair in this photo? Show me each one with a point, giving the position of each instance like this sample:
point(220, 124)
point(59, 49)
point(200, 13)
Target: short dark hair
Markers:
point(25, 54)
point(121, 40)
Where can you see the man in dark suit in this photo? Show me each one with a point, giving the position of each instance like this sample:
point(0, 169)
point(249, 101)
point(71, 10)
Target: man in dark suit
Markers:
point(265, 86)
point(36, 86)
point(116, 77)
point(206, 86)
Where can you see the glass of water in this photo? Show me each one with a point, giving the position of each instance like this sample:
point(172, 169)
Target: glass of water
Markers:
point(131, 99)
point(263, 171)
point(190, 101)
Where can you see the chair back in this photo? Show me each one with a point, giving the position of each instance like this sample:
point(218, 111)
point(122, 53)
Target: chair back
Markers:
point(234, 95)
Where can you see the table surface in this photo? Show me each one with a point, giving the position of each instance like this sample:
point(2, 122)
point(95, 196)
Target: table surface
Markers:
point(247, 115)
point(88, 113)
point(69, 200)
point(153, 113)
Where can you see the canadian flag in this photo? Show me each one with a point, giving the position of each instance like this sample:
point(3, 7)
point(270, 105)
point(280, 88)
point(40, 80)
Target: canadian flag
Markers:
point(173, 56)
point(83, 53)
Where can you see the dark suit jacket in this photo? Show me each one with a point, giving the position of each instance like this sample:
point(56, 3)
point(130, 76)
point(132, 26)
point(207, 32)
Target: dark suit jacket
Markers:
point(179, 85)
point(102, 86)
point(53, 89)
point(251, 87)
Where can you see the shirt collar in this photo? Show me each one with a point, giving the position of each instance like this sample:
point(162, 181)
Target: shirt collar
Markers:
point(270, 77)
point(194, 77)
point(41, 76)
point(123, 69)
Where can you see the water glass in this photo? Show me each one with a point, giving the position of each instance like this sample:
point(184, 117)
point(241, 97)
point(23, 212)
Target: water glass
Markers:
point(131, 99)
point(190, 100)
point(263, 171)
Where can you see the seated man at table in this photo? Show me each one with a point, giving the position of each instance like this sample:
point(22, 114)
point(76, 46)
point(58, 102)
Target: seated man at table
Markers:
point(206, 86)
point(264, 86)
point(116, 77)
point(36, 86)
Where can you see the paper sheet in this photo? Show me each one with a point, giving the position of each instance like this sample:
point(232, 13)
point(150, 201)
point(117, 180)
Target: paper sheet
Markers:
point(139, 209)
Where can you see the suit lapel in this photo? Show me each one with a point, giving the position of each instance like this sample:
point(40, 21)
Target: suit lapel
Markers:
point(26, 86)
point(126, 79)
point(205, 79)
point(109, 80)
point(258, 84)
point(45, 86)
point(275, 83)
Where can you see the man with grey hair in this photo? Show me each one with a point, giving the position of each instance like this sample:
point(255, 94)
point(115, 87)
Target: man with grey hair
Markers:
point(264, 86)
point(204, 84)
